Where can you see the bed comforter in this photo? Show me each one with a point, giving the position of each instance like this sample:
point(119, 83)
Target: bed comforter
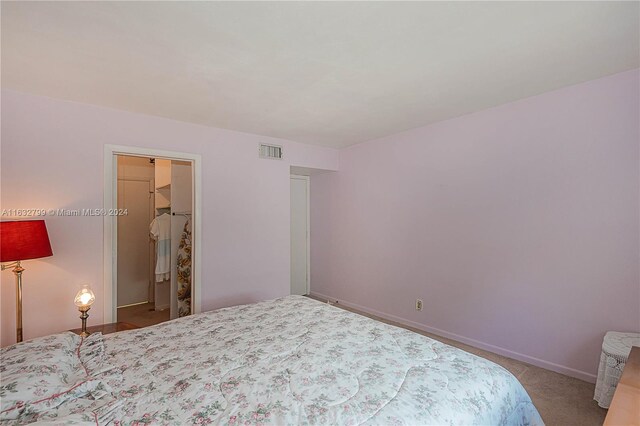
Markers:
point(290, 361)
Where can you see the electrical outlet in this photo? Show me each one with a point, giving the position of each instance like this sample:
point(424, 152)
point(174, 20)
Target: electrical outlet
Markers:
point(418, 304)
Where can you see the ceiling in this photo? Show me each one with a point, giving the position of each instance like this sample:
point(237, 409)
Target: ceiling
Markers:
point(326, 73)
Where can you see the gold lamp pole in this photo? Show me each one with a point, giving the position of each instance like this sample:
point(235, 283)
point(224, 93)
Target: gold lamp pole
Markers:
point(17, 269)
point(83, 300)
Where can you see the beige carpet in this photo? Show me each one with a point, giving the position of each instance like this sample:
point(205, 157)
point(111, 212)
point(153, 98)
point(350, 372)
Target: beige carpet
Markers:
point(561, 400)
point(142, 315)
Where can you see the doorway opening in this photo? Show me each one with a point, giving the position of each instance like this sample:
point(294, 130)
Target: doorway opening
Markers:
point(300, 235)
point(136, 260)
point(151, 246)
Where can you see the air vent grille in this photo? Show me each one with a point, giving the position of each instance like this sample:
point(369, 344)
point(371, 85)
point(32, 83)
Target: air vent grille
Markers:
point(271, 151)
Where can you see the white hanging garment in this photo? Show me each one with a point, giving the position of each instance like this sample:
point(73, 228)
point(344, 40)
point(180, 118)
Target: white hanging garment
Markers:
point(160, 230)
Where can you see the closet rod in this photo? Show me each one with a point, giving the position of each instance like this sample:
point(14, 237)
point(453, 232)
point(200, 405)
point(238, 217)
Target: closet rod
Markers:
point(181, 213)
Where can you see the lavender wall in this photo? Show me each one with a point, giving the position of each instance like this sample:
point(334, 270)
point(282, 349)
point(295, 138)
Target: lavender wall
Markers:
point(518, 225)
point(52, 157)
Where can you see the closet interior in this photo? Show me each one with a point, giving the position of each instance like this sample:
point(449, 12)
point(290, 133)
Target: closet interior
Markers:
point(154, 239)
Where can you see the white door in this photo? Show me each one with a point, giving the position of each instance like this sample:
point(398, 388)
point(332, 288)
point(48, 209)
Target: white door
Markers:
point(299, 235)
point(133, 242)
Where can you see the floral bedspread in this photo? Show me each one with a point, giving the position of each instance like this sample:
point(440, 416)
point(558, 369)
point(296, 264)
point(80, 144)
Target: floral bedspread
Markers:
point(295, 361)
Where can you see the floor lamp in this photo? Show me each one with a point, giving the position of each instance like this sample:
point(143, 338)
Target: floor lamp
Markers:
point(22, 240)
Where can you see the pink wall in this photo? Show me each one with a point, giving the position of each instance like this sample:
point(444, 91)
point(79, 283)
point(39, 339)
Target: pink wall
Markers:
point(518, 225)
point(52, 157)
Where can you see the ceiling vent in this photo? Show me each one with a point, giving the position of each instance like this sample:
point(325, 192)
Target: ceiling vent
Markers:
point(271, 151)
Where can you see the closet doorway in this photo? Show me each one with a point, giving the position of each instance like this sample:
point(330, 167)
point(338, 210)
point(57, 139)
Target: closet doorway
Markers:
point(135, 248)
point(300, 247)
point(151, 255)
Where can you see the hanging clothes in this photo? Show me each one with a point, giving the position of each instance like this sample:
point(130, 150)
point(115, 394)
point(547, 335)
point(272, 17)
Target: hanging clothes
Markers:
point(160, 230)
point(184, 271)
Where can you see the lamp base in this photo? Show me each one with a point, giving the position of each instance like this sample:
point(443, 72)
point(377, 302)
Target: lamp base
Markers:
point(83, 316)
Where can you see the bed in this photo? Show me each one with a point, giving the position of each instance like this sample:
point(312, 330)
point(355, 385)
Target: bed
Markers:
point(292, 360)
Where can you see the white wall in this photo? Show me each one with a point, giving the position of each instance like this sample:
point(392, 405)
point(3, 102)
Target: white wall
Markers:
point(518, 226)
point(52, 158)
point(135, 168)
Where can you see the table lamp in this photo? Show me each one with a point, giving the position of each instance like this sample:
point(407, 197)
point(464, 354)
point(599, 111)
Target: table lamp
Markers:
point(84, 299)
point(22, 240)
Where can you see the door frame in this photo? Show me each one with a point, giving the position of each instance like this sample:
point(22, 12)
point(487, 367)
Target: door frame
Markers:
point(110, 223)
point(307, 181)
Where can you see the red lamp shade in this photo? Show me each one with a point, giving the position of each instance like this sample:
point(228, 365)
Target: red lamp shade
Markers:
point(24, 239)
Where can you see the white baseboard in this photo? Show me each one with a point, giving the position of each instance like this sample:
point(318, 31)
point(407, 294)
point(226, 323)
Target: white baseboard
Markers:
point(578, 374)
